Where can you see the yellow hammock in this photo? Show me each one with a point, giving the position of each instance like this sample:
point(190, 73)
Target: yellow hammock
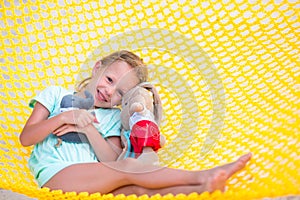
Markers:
point(227, 71)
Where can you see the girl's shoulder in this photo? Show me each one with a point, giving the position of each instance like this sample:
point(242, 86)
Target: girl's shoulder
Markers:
point(109, 122)
point(107, 111)
point(57, 89)
point(107, 116)
point(50, 97)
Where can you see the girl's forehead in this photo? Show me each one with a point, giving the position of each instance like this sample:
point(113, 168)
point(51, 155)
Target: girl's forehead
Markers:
point(128, 81)
point(118, 68)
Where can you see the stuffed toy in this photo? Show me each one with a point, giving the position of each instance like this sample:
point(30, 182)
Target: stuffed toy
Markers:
point(72, 102)
point(141, 115)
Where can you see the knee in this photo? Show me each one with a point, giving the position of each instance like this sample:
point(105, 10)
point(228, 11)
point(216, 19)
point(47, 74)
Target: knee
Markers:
point(129, 162)
point(130, 165)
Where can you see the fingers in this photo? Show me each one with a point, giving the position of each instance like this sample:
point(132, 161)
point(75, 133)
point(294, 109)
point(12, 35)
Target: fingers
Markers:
point(74, 120)
point(82, 118)
point(64, 129)
point(57, 131)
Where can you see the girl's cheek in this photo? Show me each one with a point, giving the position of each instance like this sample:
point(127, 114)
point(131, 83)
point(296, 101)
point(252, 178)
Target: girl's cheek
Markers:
point(116, 100)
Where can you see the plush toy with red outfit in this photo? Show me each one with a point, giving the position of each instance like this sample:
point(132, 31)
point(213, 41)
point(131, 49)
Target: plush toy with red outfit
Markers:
point(141, 114)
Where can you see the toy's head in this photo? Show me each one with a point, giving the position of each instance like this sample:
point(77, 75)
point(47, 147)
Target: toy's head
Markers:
point(143, 96)
point(78, 102)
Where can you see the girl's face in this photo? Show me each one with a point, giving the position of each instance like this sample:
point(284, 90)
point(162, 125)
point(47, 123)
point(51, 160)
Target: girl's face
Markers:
point(108, 84)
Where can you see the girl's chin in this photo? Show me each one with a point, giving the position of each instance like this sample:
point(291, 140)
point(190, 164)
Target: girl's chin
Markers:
point(103, 105)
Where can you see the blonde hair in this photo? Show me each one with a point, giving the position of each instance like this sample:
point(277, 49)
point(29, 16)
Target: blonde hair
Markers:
point(123, 55)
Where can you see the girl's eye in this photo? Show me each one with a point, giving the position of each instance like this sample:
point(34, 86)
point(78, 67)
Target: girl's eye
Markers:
point(109, 79)
point(120, 92)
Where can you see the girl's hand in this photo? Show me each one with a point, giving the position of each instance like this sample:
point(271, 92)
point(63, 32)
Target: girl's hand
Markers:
point(71, 128)
point(80, 118)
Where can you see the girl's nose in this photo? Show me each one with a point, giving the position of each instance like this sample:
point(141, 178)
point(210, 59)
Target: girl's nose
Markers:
point(110, 91)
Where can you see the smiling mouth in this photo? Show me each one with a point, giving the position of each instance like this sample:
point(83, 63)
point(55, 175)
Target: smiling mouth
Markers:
point(101, 96)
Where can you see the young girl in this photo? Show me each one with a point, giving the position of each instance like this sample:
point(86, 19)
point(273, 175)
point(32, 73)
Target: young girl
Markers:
point(76, 167)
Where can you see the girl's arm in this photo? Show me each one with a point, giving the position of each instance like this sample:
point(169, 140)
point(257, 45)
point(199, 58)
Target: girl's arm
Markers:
point(105, 150)
point(38, 126)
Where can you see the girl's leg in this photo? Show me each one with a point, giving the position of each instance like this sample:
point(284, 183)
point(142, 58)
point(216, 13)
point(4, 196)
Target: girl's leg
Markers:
point(217, 182)
point(214, 182)
point(107, 177)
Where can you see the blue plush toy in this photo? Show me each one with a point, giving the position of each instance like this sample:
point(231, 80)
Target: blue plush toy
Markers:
point(71, 102)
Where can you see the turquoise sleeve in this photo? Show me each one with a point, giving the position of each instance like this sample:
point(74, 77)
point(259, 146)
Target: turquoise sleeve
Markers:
point(47, 97)
point(109, 122)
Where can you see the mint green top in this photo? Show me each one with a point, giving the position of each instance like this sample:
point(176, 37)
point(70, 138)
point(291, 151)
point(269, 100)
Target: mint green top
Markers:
point(46, 159)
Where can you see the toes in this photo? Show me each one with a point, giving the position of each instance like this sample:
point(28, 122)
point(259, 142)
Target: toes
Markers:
point(242, 161)
point(236, 166)
point(245, 158)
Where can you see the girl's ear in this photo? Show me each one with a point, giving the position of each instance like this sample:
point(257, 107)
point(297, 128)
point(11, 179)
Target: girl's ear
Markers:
point(96, 68)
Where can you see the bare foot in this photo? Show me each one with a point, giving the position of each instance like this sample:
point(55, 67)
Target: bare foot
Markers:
point(215, 179)
point(235, 166)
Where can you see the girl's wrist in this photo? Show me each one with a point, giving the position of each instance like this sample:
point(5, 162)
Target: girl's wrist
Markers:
point(89, 129)
point(62, 118)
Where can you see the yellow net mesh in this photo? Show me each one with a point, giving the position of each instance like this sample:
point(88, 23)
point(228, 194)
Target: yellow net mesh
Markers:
point(227, 71)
